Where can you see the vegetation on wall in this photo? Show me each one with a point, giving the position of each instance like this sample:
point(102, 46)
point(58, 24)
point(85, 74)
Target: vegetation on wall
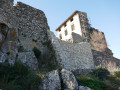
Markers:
point(100, 79)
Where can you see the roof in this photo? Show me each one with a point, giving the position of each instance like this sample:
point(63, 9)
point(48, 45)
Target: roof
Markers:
point(67, 20)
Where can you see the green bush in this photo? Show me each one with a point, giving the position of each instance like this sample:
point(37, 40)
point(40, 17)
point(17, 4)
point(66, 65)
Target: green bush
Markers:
point(101, 73)
point(117, 74)
point(91, 81)
point(18, 77)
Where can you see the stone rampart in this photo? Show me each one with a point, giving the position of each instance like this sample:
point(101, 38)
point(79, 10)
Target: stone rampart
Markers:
point(72, 56)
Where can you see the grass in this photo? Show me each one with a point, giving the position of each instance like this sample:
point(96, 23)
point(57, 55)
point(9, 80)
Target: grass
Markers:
point(98, 82)
point(18, 77)
point(91, 81)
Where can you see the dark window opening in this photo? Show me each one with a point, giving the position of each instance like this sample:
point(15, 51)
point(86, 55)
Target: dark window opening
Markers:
point(65, 25)
point(73, 27)
point(71, 19)
point(60, 36)
point(66, 33)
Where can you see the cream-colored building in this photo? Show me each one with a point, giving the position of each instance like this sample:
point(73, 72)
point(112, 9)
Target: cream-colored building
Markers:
point(74, 28)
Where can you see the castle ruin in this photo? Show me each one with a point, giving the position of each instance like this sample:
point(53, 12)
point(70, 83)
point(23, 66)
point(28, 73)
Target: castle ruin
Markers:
point(78, 46)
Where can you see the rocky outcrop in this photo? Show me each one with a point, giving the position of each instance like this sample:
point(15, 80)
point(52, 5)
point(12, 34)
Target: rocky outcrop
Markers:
point(105, 60)
point(69, 80)
point(51, 81)
point(84, 88)
point(29, 58)
point(61, 80)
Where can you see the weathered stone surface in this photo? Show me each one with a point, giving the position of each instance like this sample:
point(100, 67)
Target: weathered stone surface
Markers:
point(105, 60)
point(97, 40)
point(6, 13)
point(69, 80)
point(72, 56)
point(32, 27)
point(28, 58)
point(51, 81)
point(3, 57)
point(84, 88)
point(32, 31)
point(77, 38)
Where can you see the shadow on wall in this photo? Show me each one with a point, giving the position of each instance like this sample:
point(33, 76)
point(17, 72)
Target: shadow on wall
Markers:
point(77, 38)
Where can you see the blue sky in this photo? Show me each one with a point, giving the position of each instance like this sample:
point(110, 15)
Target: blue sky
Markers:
point(102, 14)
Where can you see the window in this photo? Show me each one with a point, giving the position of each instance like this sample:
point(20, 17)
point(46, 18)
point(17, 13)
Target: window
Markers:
point(71, 19)
point(66, 33)
point(59, 30)
point(60, 36)
point(65, 25)
point(73, 27)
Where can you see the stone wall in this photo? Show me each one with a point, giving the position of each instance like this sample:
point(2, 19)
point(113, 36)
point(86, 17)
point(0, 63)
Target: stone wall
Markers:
point(72, 56)
point(105, 60)
point(32, 33)
point(6, 13)
point(32, 27)
point(8, 32)
point(23, 28)
point(85, 26)
point(97, 41)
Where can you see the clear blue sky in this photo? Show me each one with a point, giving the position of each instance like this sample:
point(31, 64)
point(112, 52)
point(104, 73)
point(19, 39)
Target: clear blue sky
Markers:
point(102, 14)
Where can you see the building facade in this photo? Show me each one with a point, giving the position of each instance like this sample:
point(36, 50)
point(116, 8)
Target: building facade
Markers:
point(74, 28)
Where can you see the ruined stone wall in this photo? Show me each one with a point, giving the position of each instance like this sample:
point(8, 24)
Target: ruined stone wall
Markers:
point(32, 27)
point(97, 40)
point(85, 26)
point(72, 56)
point(32, 33)
point(93, 36)
point(8, 32)
point(6, 13)
point(105, 60)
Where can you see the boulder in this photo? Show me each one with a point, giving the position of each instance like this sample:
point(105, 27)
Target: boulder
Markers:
point(84, 88)
point(28, 58)
point(3, 57)
point(69, 80)
point(51, 81)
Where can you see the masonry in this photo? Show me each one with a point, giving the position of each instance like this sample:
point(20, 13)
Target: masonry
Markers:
point(27, 29)
point(72, 56)
point(24, 31)
point(83, 32)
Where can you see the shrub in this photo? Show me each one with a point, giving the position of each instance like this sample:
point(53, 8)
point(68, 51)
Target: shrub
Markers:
point(117, 74)
point(101, 73)
point(91, 81)
point(18, 77)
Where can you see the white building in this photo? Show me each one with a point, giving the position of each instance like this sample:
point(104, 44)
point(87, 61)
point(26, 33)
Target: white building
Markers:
point(74, 28)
